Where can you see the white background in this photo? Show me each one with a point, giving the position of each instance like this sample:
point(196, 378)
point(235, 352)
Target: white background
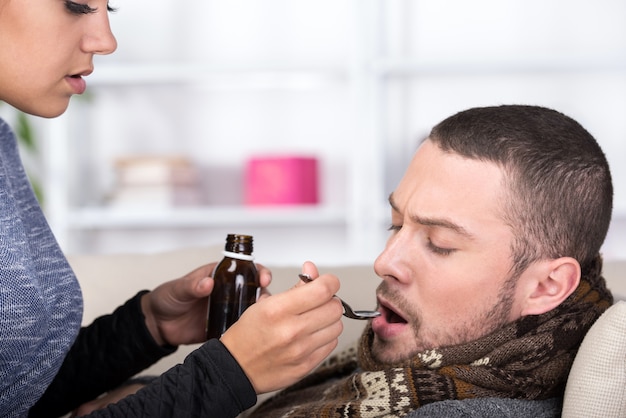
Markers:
point(356, 83)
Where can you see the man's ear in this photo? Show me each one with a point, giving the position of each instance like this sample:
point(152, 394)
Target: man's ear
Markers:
point(557, 279)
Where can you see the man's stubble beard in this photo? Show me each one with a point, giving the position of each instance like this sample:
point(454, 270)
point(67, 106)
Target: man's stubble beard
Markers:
point(484, 324)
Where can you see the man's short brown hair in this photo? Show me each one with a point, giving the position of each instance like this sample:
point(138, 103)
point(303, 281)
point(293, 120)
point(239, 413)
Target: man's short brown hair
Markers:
point(559, 194)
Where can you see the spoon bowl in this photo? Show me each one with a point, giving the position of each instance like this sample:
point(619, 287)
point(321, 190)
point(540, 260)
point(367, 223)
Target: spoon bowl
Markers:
point(348, 312)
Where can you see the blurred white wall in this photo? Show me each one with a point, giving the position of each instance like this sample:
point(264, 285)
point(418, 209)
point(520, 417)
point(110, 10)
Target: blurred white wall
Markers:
point(432, 59)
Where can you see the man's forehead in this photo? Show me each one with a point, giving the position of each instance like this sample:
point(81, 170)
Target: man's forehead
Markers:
point(442, 188)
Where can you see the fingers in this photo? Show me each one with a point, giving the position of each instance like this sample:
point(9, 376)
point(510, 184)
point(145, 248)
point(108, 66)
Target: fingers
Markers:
point(323, 322)
point(308, 268)
point(194, 285)
point(325, 344)
point(201, 285)
point(292, 331)
point(305, 297)
point(265, 278)
point(297, 359)
point(265, 275)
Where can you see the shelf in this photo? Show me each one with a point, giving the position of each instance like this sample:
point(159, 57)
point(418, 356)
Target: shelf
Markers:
point(103, 218)
point(366, 78)
point(224, 77)
point(411, 67)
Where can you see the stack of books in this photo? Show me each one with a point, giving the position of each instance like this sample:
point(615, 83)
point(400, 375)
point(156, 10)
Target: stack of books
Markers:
point(155, 181)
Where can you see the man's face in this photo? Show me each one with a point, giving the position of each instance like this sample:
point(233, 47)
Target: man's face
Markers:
point(446, 264)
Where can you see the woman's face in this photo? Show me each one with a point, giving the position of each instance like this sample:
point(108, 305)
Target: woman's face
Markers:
point(46, 48)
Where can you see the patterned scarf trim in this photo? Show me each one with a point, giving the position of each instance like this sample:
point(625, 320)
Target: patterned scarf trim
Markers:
point(527, 359)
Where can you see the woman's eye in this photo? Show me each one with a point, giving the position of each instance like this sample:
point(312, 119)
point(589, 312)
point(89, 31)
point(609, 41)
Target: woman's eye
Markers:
point(79, 8)
point(394, 228)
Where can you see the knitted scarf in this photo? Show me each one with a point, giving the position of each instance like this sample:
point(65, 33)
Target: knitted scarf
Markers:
point(526, 359)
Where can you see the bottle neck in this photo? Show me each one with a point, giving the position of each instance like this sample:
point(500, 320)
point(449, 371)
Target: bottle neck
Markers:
point(238, 256)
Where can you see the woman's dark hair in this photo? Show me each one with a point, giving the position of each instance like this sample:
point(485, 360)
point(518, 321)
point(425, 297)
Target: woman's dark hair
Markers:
point(559, 195)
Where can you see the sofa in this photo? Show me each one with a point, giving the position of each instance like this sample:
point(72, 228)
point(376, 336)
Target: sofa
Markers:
point(109, 280)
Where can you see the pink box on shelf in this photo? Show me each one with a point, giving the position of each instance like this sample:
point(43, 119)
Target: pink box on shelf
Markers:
point(285, 180)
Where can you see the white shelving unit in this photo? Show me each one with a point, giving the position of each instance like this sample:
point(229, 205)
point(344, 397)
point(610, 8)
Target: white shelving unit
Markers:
point(340, 229)
point(383, 73)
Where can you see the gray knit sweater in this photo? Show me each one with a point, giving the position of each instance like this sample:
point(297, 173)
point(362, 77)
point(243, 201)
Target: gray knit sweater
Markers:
point(40, 300)
point(490, 408)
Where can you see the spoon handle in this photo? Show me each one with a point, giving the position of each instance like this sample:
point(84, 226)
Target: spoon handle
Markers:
point(348, 312)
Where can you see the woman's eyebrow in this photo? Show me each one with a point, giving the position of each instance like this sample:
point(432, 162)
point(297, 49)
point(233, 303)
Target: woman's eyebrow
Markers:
point(392, 203)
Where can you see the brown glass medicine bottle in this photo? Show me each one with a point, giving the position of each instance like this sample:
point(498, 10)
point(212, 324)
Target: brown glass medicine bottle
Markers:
point(236, 285)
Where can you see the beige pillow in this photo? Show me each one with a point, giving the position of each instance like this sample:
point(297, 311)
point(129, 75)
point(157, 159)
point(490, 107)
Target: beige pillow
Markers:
point(596, 386)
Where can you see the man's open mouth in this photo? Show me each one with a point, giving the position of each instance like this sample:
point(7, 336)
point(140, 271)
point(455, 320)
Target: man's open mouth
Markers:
point(392, 316)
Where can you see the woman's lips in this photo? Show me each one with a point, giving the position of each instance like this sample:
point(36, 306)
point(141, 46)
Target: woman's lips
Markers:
point(77, 83)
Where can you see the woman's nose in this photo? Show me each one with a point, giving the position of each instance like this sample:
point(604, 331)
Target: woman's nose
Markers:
point(100, 39)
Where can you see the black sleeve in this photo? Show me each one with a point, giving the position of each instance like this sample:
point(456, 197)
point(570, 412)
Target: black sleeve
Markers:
point(105, 354)
point(210, 383)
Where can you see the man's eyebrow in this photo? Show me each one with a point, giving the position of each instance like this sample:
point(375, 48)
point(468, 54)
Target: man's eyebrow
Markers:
point(436, 222)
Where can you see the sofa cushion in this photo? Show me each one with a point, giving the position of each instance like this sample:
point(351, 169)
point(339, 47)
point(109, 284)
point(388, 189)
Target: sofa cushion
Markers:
point(615, 273)
point(596, 386)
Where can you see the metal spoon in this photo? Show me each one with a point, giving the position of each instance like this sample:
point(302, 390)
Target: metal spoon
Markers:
point(347, 310)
